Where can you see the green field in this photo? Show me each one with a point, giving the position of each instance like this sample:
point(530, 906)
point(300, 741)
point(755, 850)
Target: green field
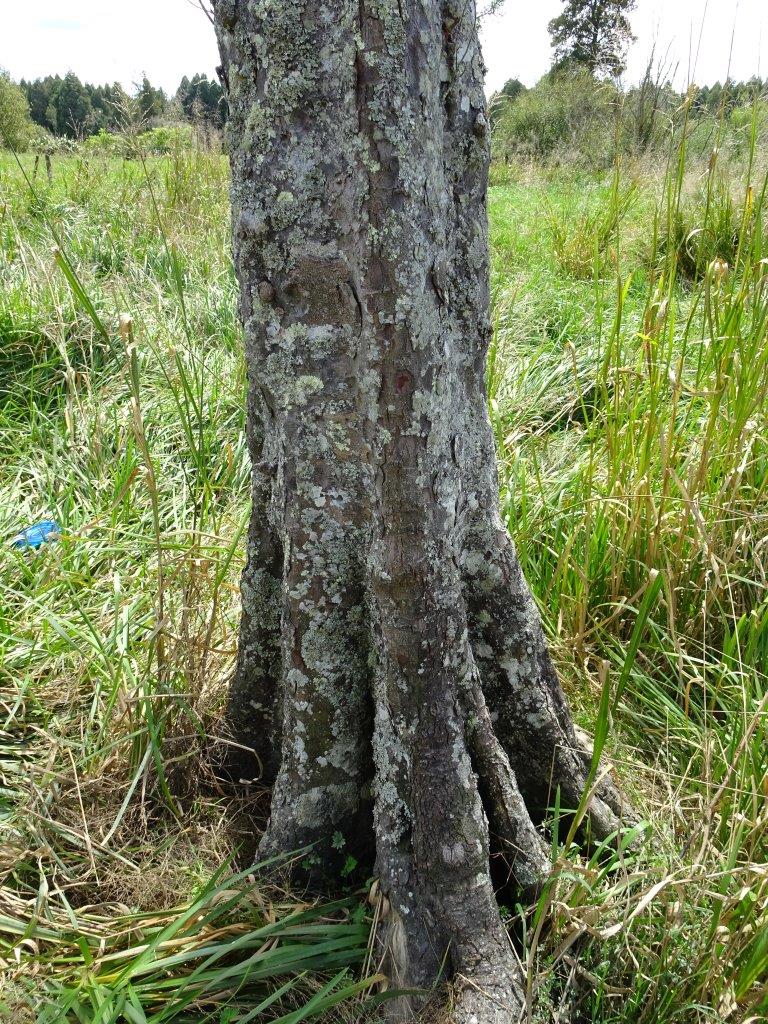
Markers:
point(628, 380)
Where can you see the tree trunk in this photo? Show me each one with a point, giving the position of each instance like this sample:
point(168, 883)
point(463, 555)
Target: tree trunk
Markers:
point(392, 677)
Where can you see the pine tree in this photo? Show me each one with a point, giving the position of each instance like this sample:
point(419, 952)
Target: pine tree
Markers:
point(72, 106)
point(152, 102)
point(593, 34)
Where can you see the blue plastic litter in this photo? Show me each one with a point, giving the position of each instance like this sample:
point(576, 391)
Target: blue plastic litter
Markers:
point(35, 536)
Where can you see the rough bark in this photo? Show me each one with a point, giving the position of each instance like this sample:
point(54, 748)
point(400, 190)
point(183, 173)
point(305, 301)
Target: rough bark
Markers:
point(393, 676)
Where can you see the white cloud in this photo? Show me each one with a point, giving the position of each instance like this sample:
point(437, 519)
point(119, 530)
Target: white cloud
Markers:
point(108, 40)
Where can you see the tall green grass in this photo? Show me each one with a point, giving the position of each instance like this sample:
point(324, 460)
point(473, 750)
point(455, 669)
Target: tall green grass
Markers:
point(627, 379)
point(122, 399)
point(226, 955)
point(629, 394)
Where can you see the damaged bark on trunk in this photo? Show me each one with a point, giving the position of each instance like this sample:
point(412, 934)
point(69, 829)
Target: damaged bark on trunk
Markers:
point(393, 677)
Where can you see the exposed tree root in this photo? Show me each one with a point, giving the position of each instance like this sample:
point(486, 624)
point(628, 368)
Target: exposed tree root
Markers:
point(494, 996)
point(530, 715)
point(523, 847)
point(488, 979)
point(488, 982)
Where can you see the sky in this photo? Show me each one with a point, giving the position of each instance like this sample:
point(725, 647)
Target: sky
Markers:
point(120, 40)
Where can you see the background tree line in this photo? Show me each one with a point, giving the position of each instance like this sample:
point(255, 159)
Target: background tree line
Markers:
point(579, 111)
point(69, 108)
point(573, 116)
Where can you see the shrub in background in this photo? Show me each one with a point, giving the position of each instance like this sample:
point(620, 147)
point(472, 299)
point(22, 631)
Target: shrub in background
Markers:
point(15, 122)
point(159, 141)
point(568, 116)
point(572, 118)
